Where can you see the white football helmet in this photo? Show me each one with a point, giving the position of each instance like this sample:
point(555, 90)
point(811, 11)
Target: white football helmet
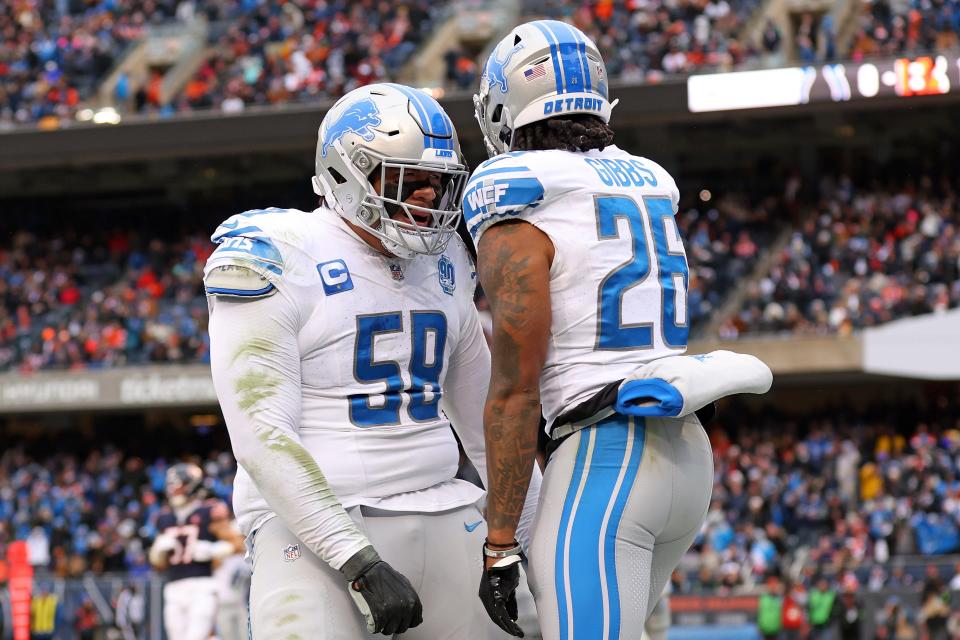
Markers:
point(542, 69)
point(391, 129)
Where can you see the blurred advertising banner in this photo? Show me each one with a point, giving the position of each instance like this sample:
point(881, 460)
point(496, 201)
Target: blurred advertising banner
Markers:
point(120, 388)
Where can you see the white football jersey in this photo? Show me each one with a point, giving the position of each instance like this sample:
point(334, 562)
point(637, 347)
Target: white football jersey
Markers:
point(618, 282)
point(377, 340)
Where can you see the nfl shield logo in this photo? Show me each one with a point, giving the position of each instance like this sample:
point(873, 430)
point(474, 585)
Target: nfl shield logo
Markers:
point(448, 277)
point(396, 271)
point(291, 552)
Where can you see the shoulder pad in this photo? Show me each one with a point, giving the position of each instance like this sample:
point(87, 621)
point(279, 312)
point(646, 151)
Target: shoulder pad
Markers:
point(501, 189)
point(234, 281)
point(251, 237)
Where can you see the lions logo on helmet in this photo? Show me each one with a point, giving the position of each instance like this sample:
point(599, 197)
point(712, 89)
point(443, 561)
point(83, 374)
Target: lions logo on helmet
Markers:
point(563, 74)
point(391, 132)
point(358, 118)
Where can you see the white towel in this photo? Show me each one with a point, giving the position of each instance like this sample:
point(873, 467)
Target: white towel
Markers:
point(676, 386)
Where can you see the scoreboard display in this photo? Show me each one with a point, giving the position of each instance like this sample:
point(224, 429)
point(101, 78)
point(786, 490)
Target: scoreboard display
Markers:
point(896, 77)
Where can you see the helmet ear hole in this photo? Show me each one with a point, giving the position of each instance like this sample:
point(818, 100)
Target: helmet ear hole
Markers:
point(336, 175)
point(497, 113)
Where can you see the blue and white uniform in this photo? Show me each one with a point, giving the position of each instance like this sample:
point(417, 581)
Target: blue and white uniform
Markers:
point(336, 372)
point(622, 499)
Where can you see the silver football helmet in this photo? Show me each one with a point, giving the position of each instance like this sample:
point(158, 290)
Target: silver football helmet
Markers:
point(542, 69)
point(406, 136)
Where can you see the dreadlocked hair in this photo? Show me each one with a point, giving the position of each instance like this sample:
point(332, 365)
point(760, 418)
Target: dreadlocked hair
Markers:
point(580, 132)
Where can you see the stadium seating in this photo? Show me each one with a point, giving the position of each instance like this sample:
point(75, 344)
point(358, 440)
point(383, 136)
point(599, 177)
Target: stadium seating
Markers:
point(91, 512)
point(723, 240)
point(53, 54)
point(87, 300)
point(894, 28)
point(862, 257)
point(838, 491)
point(118, 297)
point(284, 52)
point(644, 40)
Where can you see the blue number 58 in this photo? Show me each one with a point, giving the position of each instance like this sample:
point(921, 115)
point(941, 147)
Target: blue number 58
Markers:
point(428, 338)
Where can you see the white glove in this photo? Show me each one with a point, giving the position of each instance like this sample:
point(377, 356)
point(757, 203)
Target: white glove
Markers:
point(205, 550)
point(163, 545)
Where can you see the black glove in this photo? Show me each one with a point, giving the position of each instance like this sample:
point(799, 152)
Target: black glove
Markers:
point(386, 599)
point(498, 592)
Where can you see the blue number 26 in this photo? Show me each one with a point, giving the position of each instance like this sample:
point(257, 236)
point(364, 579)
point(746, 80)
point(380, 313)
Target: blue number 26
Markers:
point(674, 274)
point(429, 336)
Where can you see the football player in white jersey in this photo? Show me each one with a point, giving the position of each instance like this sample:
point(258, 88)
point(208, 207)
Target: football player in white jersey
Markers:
point(341, 341)
point(585, 271)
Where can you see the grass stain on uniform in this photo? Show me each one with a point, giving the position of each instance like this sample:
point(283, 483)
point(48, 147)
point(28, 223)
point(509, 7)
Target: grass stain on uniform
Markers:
point(278, 441)
point(258, 346)
point(287, 619)
point(254, 386)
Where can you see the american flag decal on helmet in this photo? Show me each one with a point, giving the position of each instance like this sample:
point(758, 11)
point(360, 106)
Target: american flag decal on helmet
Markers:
point(534, 72)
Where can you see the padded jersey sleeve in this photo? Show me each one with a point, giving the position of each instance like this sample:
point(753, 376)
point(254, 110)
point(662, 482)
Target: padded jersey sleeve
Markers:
point(255, 361)
point(503, 188)
point(246, 240)
point(267, 242)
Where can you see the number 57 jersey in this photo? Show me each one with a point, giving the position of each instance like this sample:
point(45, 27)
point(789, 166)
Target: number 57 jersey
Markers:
point(618, 282)
point(378, 341)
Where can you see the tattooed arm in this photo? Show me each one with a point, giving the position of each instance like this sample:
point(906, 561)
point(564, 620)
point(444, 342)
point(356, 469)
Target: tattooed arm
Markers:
point(514, 266)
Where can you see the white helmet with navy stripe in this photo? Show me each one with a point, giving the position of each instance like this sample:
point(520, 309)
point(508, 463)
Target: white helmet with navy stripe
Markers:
point(383, 127)
point(542, 69)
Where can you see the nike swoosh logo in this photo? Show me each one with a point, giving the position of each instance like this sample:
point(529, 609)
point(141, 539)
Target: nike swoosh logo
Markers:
point(471, 527)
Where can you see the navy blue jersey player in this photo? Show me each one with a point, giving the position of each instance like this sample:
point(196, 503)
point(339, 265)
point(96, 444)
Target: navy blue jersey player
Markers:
point(193, 533)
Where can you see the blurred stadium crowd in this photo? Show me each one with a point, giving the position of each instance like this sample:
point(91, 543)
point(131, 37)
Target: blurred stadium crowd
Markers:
point(94, 510)
point(843, 495)
point(861, 256)
point(53, 53)
point(839, 492)
point(95, 299)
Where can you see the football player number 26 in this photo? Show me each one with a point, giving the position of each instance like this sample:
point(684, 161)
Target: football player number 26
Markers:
point(674, 274)
point(428, 331)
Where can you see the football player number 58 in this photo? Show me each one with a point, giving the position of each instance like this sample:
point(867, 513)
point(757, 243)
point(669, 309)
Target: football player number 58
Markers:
point(428, 337)
point(657, 213)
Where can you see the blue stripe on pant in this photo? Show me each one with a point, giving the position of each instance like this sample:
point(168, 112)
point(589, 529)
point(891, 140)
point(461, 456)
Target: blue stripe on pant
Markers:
point(588, 598)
